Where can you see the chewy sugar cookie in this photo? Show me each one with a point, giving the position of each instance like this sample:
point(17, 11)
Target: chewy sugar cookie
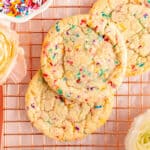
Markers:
point(79, 63)
point(9, 49)
point(133, 20)
point(49, 113)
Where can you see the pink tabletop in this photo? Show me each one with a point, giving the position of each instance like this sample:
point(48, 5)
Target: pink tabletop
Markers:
point(1, 111)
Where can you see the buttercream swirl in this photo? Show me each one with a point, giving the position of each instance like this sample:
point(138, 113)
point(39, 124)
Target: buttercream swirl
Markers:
point(138, 137)
point(9, 48)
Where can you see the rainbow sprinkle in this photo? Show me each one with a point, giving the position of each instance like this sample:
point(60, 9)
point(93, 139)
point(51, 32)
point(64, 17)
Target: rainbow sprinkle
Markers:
point(112, 84)
point(141, 64)
point(116, 62)
point(78, 75)
point(54, 56)
point(59, 91)
point(100, 37)
point(98, 106)
point(19, 8)
point(50, 50)
point(77, 128)
point(145, 15)
point(57, 27)
point(101, 72)
point(64, 79)
point(106, 15)
point(32, 105)
point(73, 27)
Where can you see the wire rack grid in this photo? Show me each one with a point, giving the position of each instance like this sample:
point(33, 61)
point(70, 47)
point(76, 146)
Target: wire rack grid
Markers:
point(18, 134)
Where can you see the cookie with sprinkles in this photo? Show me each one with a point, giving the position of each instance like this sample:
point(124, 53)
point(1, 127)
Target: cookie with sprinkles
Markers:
point(79, 63)
point(132, 17)
point(49, 113)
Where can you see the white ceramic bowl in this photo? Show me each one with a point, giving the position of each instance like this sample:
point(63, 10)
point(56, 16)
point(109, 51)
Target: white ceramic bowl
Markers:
point(28, 17)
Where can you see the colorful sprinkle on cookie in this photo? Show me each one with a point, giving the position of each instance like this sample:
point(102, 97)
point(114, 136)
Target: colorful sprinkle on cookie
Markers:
point(141, 64)
point(98, 107)
point(77, 128)
point(145, 15)
point(57, 27)
point(132, 19)
point(106, 15)
point(59, 91)
point(86, 59)
point(60, 120)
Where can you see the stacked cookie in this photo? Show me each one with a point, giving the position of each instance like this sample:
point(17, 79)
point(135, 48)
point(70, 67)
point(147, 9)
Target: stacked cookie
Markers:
point(132, 17)
point(83, 62)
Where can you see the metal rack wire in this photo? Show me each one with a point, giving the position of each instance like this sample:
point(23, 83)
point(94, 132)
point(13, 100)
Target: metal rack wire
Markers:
point(18, 134)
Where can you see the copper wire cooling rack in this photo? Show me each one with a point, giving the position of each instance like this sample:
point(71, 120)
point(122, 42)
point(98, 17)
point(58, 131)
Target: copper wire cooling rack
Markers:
point(132, 98)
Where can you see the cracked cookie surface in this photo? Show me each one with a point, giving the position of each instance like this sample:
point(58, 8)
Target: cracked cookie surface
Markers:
point(79, 63)
point(50, 113)
point(133, 20)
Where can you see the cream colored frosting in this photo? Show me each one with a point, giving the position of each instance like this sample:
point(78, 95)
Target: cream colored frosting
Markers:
point(138, 137)
point(9, 49)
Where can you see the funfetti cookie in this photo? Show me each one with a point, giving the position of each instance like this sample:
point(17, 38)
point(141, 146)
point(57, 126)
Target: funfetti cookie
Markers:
point(133, 19)
point(80, 64)
point(49, 113)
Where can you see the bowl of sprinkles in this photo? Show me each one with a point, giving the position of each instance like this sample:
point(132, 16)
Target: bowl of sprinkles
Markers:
point(20, 11)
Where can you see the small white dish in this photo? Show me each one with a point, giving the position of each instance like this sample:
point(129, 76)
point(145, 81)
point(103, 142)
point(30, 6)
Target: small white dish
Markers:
point(28, 17)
